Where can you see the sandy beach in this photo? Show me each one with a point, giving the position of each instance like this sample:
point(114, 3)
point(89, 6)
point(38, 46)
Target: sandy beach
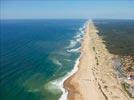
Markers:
point(95, 78)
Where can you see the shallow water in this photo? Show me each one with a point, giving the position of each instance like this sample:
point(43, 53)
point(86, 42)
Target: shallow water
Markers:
point(33, 54)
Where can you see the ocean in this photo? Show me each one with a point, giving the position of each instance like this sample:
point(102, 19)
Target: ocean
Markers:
point(36, 56)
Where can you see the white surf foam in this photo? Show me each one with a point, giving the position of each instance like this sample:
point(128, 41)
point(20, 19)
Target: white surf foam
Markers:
point(60, 82)
point(72, 44)
point(56, 61)
point(77, 38)
point(74, 50)
point(68, 60)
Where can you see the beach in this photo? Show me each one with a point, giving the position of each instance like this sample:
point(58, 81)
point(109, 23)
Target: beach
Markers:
point(95, 79)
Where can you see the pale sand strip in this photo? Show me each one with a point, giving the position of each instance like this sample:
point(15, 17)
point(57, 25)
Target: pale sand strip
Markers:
point(95, 78)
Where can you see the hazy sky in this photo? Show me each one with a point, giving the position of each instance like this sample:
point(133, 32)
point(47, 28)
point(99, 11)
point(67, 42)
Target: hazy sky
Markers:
point(30, 9)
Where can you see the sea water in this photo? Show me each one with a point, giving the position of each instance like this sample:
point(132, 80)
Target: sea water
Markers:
point(37, 56)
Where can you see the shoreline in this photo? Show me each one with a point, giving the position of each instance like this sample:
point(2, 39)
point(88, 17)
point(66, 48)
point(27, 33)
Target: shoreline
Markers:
point(95, 78)
point(60, 82)
point(61, 86)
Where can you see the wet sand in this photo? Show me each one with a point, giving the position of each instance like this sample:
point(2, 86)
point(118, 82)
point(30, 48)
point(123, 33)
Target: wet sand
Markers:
point(95, 78)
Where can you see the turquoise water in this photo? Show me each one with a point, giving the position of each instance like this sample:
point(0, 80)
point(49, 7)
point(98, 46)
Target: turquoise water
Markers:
point(33, 54)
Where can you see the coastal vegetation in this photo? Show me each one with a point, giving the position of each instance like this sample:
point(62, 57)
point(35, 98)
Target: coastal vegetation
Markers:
point(118, 36)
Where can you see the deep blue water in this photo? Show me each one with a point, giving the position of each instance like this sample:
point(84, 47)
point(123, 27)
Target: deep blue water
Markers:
point(33, 53)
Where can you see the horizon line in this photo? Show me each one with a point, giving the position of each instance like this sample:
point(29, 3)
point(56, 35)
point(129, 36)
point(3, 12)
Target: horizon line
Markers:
point(62, 18)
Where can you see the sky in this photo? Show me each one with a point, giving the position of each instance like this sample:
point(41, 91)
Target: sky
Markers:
point(56, 9)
